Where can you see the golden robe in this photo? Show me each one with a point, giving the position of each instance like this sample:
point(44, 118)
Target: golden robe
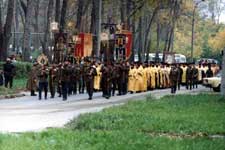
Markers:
point(131, 80)
point(145, 80)
point(184, 74)
point(152, 77)
point(139, 84)
point(97, 78)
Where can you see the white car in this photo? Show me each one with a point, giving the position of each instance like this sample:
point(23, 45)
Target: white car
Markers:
point(213, 82)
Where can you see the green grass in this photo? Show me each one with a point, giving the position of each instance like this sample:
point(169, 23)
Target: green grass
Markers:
point(135, 126)
point(18, 85)
point(64, 139)
point(180, 114)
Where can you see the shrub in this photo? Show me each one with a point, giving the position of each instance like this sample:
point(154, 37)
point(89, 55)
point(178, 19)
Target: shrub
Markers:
point(22, 69)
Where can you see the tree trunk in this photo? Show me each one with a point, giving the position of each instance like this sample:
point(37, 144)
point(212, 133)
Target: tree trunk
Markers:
point(149, 30)
point(170, 39)
point(93, 26)
point(47, 30)
point(36, 26)
point(98, 26)
point(140, 45)
point(79, 14)
point(57, 11)
point(157, 41)
point(134, 34)
point(27, 30)
point(5, 34)
point(223, 75)
point(63, 16)
point(167, 38)
point(123, 11)
point(1, 32)
point(22, 14)
point(129, 4)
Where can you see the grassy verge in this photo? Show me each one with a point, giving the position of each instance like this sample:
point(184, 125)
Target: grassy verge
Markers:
point(18, 85)
point(136, 125)
point(179, 114)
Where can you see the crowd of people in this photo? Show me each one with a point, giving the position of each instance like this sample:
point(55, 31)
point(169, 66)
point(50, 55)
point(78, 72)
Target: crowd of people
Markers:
point(117, 78)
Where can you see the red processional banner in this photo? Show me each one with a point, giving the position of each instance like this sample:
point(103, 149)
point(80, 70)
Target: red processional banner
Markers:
point(84, 45)
point(128, 44)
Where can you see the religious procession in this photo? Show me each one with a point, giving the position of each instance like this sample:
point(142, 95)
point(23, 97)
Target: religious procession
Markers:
point(111, 79)
point(75, 70)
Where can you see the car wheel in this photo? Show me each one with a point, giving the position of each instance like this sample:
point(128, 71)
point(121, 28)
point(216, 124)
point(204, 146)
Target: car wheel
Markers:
point(217, 89)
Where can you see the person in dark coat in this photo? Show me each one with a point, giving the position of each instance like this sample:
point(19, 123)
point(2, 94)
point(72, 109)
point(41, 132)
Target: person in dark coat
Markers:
point(58, 79)
point(90, 74)
point(195, 77)
point(43, 81)
point(114, 79)
point(76, 77)
point(119, 78)
point(189, 76)
point(71, 83)
point(209, 72)
point(9, 72)
point(180, 73)
point(174, 79)
point(65, 78)
point(32, 84)
point(1, 78)
point(52, 80)
point(125, 72)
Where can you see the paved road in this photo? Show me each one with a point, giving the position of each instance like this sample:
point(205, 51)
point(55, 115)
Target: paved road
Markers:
point(29, 114)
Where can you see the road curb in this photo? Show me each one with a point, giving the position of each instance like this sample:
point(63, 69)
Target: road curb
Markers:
point(11, 96)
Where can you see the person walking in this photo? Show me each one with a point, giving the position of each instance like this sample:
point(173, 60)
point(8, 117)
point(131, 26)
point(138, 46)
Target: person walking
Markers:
point(174, 79)
point(9, 71)
point(90, 74)
point(43, 82)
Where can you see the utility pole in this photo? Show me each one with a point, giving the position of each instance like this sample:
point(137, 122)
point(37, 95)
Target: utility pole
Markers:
point(99, 23)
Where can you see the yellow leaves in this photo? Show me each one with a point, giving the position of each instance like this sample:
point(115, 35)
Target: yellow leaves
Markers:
point(217, 43)
point(188, 5)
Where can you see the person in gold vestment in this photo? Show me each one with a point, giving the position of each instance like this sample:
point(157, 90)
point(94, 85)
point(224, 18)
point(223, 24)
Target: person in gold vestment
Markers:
point(97, 78)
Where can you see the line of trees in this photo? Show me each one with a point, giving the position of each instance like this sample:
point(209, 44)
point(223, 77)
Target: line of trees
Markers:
point(156, 24)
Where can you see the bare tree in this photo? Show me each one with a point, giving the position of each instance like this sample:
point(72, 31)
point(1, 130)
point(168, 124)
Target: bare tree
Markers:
point(47, 29)
point(63, 15)
point(36, 23)
point(27, 30)
point(5, 32)
point(57, 10)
